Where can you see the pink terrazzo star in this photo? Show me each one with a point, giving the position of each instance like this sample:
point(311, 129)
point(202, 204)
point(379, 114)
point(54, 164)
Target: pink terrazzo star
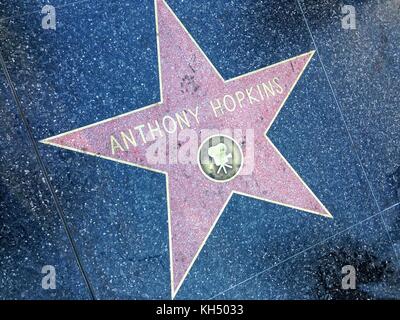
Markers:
point(191, 87)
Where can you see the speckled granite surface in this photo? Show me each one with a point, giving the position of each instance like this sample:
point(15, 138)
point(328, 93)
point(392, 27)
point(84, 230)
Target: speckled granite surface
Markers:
point(31, 231)
point(339, 130)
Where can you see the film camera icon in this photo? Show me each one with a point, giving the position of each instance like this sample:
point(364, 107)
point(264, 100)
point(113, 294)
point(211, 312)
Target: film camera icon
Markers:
point(220, 158)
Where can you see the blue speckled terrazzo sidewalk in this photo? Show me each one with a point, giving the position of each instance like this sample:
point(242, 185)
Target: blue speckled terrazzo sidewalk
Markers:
point(104, 225)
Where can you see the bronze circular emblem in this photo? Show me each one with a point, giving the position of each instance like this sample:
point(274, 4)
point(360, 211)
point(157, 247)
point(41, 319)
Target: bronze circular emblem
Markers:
point(220, 158)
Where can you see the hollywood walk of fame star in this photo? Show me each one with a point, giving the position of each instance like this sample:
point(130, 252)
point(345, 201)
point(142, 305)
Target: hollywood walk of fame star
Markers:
point(194, 94)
